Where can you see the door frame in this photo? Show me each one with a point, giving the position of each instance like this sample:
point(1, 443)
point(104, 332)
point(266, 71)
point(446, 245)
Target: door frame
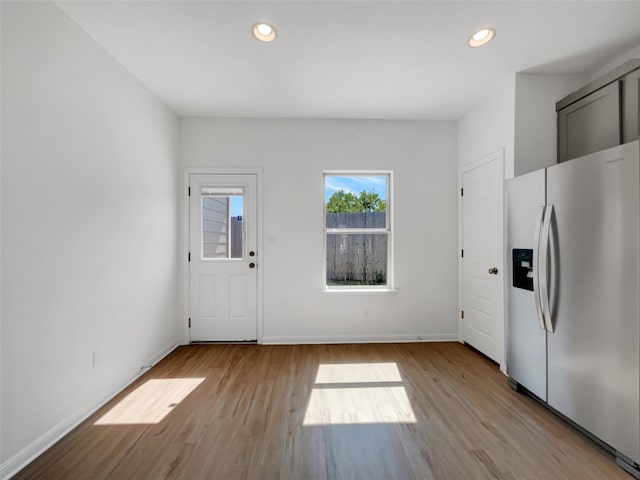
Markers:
point(497, 155)
point(184, 242)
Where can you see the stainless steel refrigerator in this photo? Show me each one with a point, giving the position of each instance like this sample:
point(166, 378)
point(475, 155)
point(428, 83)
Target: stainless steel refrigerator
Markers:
point(573, 315)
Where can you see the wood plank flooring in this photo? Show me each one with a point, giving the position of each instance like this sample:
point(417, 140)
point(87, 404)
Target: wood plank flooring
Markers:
point(383, 411)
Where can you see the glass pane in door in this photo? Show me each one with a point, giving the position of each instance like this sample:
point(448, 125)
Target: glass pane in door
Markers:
point(222, 214)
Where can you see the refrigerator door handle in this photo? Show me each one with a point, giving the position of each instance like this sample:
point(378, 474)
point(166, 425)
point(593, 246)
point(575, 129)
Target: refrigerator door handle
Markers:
point(544, 269)
point(536, 249)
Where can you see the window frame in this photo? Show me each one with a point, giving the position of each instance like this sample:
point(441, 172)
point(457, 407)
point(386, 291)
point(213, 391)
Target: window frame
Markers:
point(388, 231)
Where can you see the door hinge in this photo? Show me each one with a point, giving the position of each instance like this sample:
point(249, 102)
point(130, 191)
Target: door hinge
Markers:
point(189, 257)
point(189, 322)
point(189, 191)
point(462, 314)
point(462, 192)
point(462, 253)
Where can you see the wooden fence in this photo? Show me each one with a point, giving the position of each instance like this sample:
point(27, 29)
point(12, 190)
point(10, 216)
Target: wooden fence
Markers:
point(356, 258)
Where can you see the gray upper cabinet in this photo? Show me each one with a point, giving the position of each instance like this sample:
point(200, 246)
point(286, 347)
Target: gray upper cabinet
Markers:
point(600, 115)
point(630, 106)
point(590, 124)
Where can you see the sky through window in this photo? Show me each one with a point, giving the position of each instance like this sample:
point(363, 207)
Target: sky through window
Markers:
point(355, 185)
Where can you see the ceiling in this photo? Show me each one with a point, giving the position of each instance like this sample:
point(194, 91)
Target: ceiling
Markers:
point(349, 59)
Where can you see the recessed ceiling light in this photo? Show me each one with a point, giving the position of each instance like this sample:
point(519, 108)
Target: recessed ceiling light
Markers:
point(264, 32)
point(481, 37)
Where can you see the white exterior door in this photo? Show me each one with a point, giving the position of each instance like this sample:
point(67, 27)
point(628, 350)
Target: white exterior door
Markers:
point(223, 257)
point(482, 272)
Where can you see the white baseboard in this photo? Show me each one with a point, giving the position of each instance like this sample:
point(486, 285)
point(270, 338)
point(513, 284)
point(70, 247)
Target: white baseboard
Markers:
point(45, 441)
point(430, 337)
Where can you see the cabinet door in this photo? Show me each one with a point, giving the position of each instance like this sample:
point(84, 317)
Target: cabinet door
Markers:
point(630, 106)
point(590, 124)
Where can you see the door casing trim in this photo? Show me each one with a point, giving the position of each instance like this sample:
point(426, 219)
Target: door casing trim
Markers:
point(184, 241)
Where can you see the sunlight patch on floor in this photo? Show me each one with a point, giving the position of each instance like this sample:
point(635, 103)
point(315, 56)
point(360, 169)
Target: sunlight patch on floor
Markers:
point(363, 393)
point(358, 373)
point(150, 402)
point(340, 406)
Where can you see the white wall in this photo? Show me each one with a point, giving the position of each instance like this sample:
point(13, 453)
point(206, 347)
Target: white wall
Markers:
point(89, 227)
point(519, 118)
point(293, 155)
point(489, 127)
point(535, 121)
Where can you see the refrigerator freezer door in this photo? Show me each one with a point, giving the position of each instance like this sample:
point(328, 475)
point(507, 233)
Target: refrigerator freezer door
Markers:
point(526, 342)
point(593, 354)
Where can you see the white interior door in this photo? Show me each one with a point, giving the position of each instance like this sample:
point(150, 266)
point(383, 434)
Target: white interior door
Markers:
point(482, 272)
point(223, 257)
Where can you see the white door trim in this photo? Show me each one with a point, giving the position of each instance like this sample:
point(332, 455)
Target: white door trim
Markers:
point(184, 241)
point(497, 155)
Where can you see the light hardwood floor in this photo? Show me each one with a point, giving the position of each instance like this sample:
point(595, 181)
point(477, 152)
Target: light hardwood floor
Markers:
point(385, 411)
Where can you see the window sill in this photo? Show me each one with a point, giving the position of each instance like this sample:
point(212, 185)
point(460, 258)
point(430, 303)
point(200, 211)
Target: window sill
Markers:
point(359, 291)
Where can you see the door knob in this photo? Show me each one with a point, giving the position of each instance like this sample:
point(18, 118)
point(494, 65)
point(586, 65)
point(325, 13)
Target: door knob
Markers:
point(493, 271)
point(252, 265)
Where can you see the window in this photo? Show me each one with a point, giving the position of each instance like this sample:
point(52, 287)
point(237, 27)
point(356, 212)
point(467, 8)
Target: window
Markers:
point(222, 210)
point(357, 230)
